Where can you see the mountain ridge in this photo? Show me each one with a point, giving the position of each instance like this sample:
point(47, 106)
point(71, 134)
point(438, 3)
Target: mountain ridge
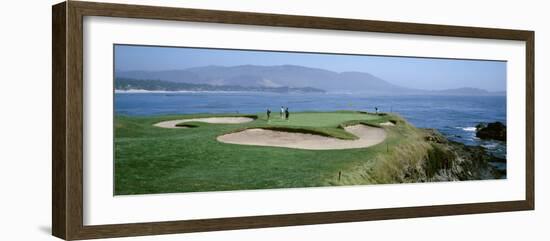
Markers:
point(122, 84)
point(290, 76)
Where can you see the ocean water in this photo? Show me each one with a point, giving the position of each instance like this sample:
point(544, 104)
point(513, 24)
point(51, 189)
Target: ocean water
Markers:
point(454, 116)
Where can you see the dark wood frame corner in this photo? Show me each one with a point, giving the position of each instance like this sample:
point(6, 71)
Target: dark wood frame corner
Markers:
point(67, 123)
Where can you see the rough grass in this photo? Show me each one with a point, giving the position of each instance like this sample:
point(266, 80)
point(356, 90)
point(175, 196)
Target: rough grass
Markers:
point(150, 159)
point(399, 159)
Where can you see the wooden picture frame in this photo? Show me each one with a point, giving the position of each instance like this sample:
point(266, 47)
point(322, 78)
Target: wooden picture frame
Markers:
point(67, 150)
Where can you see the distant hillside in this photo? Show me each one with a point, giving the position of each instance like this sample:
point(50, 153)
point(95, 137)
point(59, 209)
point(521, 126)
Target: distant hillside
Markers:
point(288, 76)
point(159, 85)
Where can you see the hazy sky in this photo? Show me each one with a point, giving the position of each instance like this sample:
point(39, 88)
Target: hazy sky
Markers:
point(420, 73)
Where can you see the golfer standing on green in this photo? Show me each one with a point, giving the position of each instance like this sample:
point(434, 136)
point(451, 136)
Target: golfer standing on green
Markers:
point(286, 113)
point(282, 112)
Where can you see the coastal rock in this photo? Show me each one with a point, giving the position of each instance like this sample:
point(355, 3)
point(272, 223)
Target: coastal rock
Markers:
point(494, 131)
point(452, 161)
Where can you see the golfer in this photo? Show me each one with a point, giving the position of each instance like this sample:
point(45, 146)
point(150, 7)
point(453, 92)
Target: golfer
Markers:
point(286, 113)
point(268, 112)
point(282, 112)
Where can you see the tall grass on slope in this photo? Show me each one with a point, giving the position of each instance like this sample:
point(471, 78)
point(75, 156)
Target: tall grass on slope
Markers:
point(404, 157)
point(405, 161)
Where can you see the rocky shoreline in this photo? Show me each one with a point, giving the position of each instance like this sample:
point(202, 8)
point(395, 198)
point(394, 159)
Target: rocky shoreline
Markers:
point(454, 161)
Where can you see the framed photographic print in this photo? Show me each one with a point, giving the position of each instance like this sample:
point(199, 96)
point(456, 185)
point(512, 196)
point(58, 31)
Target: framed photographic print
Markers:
point(171, 120)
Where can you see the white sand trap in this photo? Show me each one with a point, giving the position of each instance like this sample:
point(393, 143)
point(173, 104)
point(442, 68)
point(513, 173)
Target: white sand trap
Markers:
point(211, 120)
point(368, 136)
point(387, 123)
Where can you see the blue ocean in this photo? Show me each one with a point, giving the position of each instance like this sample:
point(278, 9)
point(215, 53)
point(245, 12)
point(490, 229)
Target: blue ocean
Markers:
point(454, 116)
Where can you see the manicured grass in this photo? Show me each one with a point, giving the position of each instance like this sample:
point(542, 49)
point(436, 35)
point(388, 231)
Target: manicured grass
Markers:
point(150, 159)
point(319, 119)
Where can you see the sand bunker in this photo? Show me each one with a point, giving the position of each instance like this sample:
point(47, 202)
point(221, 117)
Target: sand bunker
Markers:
point(211, 120)
point(387, 123)
point(368, 136)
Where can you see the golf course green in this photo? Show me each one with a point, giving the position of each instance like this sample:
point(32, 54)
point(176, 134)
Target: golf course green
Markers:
point(151, 159)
